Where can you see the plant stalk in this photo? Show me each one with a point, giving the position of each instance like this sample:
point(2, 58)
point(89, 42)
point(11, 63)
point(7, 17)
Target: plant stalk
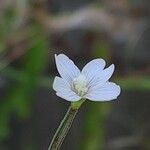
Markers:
point(65, 126)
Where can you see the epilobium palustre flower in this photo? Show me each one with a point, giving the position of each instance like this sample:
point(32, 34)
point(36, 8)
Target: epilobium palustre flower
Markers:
point(91, 83)
point(74, 85)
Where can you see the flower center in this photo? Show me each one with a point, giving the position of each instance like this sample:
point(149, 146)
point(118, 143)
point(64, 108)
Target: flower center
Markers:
point(80, 85)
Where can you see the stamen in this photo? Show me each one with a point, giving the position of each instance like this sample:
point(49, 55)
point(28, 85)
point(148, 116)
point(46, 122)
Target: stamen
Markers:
point(80, 85)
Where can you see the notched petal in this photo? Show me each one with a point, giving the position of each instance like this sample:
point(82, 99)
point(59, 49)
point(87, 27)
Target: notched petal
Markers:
point(63, 90)
point(102, 76)
point(92, 68)
point(66, 68)
point(72, 97)
point(60, 85)
point(107, 92)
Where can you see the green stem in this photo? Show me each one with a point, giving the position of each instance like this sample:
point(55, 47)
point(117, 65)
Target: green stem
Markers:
point(65, 125)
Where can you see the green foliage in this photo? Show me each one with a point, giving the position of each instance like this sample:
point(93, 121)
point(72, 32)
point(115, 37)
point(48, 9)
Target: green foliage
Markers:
point(100, 49)
point(8, 18)
point(93, 126)
point(141, 83)
point(19, 95)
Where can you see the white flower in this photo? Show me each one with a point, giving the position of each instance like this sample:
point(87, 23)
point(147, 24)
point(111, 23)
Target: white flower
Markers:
point(90, 83)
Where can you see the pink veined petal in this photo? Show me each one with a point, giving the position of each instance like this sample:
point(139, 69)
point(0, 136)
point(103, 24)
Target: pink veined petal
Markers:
point(66, 68)
point(63, 90)
point(107, 92)
point(102, 76)
point(91, 69)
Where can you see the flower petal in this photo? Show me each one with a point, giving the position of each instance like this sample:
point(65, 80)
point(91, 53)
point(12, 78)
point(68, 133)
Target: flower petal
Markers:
point(72, 97)
point(90, 70)
point(66, 68)
point(60, 85)
point(63, 90)
point(102, 76)
point(107, 92)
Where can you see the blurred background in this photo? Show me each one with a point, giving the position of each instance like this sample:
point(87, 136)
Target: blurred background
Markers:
point(32, 31)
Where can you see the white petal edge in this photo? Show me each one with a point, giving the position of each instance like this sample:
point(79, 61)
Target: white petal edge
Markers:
point(63, 90)
point(91, 69)
point(102, 76)
point(66, 67)
point(109, 91)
